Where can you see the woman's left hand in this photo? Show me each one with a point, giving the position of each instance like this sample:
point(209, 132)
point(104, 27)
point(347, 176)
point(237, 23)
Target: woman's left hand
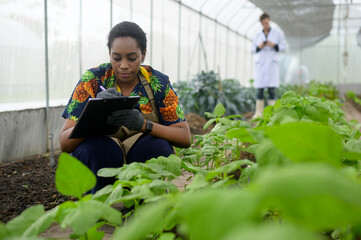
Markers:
point(130, 118)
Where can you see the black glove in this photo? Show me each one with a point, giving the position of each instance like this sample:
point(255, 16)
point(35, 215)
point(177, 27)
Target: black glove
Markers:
point(109, 93)
point(130, 118)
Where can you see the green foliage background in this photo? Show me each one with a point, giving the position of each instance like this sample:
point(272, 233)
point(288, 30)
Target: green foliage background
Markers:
point(205, 90)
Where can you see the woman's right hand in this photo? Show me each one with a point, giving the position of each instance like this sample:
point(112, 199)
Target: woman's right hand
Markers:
point(109, 93)
point(130, 118)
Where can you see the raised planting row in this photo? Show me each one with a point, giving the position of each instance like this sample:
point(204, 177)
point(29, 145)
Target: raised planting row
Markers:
point(304, 183)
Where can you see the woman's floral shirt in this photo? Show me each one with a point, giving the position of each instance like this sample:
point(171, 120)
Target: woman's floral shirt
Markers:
point(167, 102)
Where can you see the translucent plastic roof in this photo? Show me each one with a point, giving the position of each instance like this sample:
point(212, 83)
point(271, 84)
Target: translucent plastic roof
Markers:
point(304, 22)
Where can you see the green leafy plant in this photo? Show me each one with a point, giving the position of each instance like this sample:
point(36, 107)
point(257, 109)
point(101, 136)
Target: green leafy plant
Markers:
point(322, 90)
point(214, 149)
point(202, 94)
point(351, 95)
point(305, 183)
point(72, 179)
point(311, 195)
point(293, 107)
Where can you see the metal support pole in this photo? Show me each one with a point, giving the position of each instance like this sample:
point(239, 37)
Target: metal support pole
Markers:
point(345, 53)
point(199, 49)
point(151, 33)
point(47, 127)
point(215, 45)
point(179, 39)
point(227, 52)
point(111, 14)
point(236, 58)
point(244, 57)
point(190, 52)
point(51, 138)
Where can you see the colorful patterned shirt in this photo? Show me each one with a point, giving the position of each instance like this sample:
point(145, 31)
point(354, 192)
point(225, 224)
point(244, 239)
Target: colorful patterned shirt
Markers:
point(166, 99)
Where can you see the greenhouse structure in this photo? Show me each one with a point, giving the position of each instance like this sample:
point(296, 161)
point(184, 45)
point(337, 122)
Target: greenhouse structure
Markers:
point(47, 45)
point(207, 49)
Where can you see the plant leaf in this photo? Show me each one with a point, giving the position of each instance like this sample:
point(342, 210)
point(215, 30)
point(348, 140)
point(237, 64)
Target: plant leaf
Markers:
point(208, 123)
point(18, 225)
point(241, 134)
point(211, 213)
point(82, 218)
point(167, 236)
point(307, 142)
point(268, 154)
point(191, 168)
point(41, 224)
point(147, 219)
point(271, 232)
point(291, 98)
point(314, 195)
point(219, 110)
point(105, 190)
point(227, 168)
point(158, 186)
point(72, 177)
point(172, 163)
point(115, 195)
point(109, 172)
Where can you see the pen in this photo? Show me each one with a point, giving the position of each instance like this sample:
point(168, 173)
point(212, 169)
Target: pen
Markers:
point(102, 88)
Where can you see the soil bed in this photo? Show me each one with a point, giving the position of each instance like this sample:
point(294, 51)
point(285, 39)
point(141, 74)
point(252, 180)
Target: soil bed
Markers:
point(26, 183)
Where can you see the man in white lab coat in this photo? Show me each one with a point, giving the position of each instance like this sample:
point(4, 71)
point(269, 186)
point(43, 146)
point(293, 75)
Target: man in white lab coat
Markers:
point(265, 47)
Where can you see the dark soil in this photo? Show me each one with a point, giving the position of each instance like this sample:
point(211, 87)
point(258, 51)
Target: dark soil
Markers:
point(196, 123)
point(26, 183)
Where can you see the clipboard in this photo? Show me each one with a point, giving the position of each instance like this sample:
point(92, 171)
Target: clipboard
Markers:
point(93, 119)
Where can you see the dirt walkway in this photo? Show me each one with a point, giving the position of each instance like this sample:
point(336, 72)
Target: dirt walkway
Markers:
point(351, 112)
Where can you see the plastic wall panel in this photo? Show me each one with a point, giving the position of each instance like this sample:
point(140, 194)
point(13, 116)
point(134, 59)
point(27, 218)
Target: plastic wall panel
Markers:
point(221, 51)
point(121, 11)
point(232, 51)
point(190, 44)
point(208, 38)
point(22, 55)
point(332, 69)
point(187, 38)
point(63, 43)
point(158, 51)
point(171, 9)
point(22, 61)
point(142, 16)
point(95, 29)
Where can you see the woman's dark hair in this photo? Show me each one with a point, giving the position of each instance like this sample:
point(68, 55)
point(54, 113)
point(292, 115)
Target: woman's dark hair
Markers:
point(264, 16)
point(128, 29)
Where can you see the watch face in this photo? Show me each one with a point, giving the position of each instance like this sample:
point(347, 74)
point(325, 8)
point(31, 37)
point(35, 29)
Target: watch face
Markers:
point(149, 126)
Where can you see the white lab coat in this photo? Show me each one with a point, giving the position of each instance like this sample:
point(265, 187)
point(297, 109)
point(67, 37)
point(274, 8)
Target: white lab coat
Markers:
point(266, 70)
